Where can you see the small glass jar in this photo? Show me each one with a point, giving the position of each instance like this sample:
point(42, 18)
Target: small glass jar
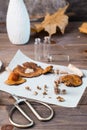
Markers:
point(46, 47)
point(38, 49)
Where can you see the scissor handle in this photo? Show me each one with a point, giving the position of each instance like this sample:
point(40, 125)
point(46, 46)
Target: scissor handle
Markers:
point(24, 114)
point(16, 105)
point(36, 113)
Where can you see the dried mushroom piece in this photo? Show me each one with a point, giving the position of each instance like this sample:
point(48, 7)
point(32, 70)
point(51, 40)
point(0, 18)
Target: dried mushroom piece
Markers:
point(27, 88)
point(56, 90)
point(60, 99)
point(14, 79)
point(48, 69)
point(71, 80)
point(28, 69)
point(75, 70)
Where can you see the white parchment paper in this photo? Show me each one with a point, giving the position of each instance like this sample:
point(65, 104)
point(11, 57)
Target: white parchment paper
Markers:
point(72, 97)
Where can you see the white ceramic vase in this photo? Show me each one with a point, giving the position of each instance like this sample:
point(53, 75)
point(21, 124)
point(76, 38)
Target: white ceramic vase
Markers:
point(18, 22)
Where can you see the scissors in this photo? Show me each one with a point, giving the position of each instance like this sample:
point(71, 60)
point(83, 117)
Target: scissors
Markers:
point(31, 122)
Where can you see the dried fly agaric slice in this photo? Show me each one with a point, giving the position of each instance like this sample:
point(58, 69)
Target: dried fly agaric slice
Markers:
point(21, 70)
point(71, 80)
point(14, 79)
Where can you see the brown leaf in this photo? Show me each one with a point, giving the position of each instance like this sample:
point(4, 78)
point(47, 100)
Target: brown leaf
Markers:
point(51, 22)
point(83, 28)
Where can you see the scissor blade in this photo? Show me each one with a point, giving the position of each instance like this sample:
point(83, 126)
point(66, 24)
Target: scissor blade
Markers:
point(16, 97)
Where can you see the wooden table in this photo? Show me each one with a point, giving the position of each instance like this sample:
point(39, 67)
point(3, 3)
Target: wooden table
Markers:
point(72, 43)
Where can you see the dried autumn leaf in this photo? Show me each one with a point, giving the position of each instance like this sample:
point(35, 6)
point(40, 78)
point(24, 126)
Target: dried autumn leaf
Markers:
point(51, 22)
point(83, 28)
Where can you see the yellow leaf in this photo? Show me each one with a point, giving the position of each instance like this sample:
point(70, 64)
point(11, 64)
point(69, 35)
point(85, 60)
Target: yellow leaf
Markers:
point(51, 22)
point(83, 28)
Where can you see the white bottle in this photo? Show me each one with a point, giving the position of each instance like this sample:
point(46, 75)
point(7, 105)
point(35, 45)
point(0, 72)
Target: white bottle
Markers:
point(18, 22)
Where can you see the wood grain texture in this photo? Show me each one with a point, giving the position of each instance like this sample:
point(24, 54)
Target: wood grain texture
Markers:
point(64, 118)
point(34, 7)
point(40, 7)
point(79, 9)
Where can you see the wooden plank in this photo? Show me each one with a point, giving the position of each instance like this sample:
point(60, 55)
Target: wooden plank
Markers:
point(39, 8)
point(79, 9)
point(36, 8)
